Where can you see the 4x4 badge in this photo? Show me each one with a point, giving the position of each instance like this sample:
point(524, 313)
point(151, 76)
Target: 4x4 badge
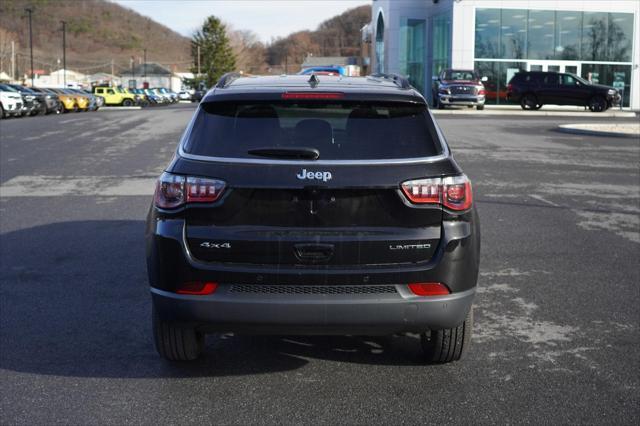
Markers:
point(211, 245)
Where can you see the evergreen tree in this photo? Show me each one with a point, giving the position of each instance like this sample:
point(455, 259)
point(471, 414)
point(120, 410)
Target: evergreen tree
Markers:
point(216, 55)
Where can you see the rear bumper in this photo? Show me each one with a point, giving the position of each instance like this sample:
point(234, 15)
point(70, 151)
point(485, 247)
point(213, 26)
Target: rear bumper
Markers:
point(455, 263)
point(380, 314)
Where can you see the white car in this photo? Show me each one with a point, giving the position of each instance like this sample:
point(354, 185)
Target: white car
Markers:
point(10, 102)
point(184, 96)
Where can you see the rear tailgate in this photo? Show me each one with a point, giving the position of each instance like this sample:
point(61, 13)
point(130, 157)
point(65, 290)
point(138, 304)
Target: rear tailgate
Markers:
point(342, 209)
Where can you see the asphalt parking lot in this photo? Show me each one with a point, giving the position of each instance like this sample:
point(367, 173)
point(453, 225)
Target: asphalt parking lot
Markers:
point(557, 314)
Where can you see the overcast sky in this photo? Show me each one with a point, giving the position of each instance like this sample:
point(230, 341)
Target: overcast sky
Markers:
point(267, 18)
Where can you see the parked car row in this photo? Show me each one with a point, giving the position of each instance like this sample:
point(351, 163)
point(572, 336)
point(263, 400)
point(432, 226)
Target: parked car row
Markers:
point(18, 101)
point(530, 89)
point(120, 96)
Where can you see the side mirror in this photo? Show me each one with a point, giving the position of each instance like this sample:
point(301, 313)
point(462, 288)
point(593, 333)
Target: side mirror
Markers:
point(485, 78)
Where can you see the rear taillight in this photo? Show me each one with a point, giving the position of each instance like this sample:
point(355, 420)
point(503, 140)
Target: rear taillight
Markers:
point(482, 92)
point(174, 190)
point(429, 289)
point(509, 87)
point(198, 288)
point(453, 192)
point(202, 190)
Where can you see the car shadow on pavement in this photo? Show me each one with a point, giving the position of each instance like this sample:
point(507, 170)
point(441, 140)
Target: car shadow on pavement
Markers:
point(74, 301)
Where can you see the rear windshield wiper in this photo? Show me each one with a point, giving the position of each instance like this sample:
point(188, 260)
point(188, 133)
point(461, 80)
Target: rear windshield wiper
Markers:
point(300, 153)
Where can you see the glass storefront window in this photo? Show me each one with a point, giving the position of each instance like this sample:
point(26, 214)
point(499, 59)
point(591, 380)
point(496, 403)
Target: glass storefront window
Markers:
point(568, 35)
point(547, 35)
point(513, 33)
point(487, 33)
point(541, 43)
point(620, 37)
point(441, 46)
point(412, 51)
point(498, 75)
point(618, 76)
point(594, 36)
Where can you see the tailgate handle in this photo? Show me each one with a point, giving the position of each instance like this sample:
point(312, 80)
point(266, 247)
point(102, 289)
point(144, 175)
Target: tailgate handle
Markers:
point(313, 253)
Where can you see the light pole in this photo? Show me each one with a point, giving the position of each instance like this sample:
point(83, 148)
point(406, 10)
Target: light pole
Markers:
point(64, 52)
point(30, 11)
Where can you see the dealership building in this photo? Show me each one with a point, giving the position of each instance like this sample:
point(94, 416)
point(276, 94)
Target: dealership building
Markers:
point(596, 39)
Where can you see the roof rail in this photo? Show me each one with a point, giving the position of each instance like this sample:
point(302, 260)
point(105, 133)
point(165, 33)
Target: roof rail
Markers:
point(399, 80)
point(227, 79)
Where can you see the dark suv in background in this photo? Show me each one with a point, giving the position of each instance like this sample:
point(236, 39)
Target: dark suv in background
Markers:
point(533, 89)
point(313, 205)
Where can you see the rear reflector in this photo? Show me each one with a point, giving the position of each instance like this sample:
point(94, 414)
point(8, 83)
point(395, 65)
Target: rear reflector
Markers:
point(198, 288)
point(453, 192)
point(429, 289)
point(312, 95)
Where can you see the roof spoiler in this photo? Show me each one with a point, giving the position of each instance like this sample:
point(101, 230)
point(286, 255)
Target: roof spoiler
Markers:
point(399, 80)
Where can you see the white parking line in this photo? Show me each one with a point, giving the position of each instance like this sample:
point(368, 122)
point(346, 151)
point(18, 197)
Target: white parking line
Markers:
point(59, 186)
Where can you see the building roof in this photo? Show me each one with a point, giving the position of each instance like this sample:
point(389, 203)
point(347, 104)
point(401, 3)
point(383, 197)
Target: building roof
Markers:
point(70, 74)
point(314, 61)
point(151, 68)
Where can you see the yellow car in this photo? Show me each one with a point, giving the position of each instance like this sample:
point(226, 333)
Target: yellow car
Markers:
point(69, 102)
point(81, 100)
point(115, 96)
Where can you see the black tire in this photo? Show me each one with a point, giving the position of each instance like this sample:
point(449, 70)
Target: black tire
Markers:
point(479, 107)
point(175, 343)
point(439, 104)
point(127, 102)
point(529, 102)
point(442, 346)
point(597, 104)
point(1, 112)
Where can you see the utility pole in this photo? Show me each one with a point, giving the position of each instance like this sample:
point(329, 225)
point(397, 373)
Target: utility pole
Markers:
point(13, 60)
point(30, 11)
point(112, 70)
point(145, 65)
point(198, 60)
point(133, 78)
point(64, 52)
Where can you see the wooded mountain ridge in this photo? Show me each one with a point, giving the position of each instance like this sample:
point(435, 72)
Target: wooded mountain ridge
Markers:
point(102, 36)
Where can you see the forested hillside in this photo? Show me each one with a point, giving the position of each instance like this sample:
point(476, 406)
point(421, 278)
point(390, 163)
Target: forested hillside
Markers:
point(97, 33)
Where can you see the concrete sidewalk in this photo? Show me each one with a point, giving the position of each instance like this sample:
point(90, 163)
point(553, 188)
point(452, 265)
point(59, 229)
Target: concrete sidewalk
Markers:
point(624, 130)
point(545, 111)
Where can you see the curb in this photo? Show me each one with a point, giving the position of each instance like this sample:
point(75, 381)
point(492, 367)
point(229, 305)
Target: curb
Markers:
point(617, 114)
point(118, 108)
point(573, 129)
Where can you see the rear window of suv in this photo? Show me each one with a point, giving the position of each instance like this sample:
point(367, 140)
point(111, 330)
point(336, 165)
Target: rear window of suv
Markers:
point(339, 130)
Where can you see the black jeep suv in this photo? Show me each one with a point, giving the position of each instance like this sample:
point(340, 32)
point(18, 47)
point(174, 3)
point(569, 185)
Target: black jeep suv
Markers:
point(536, 88)
point(313, 205)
